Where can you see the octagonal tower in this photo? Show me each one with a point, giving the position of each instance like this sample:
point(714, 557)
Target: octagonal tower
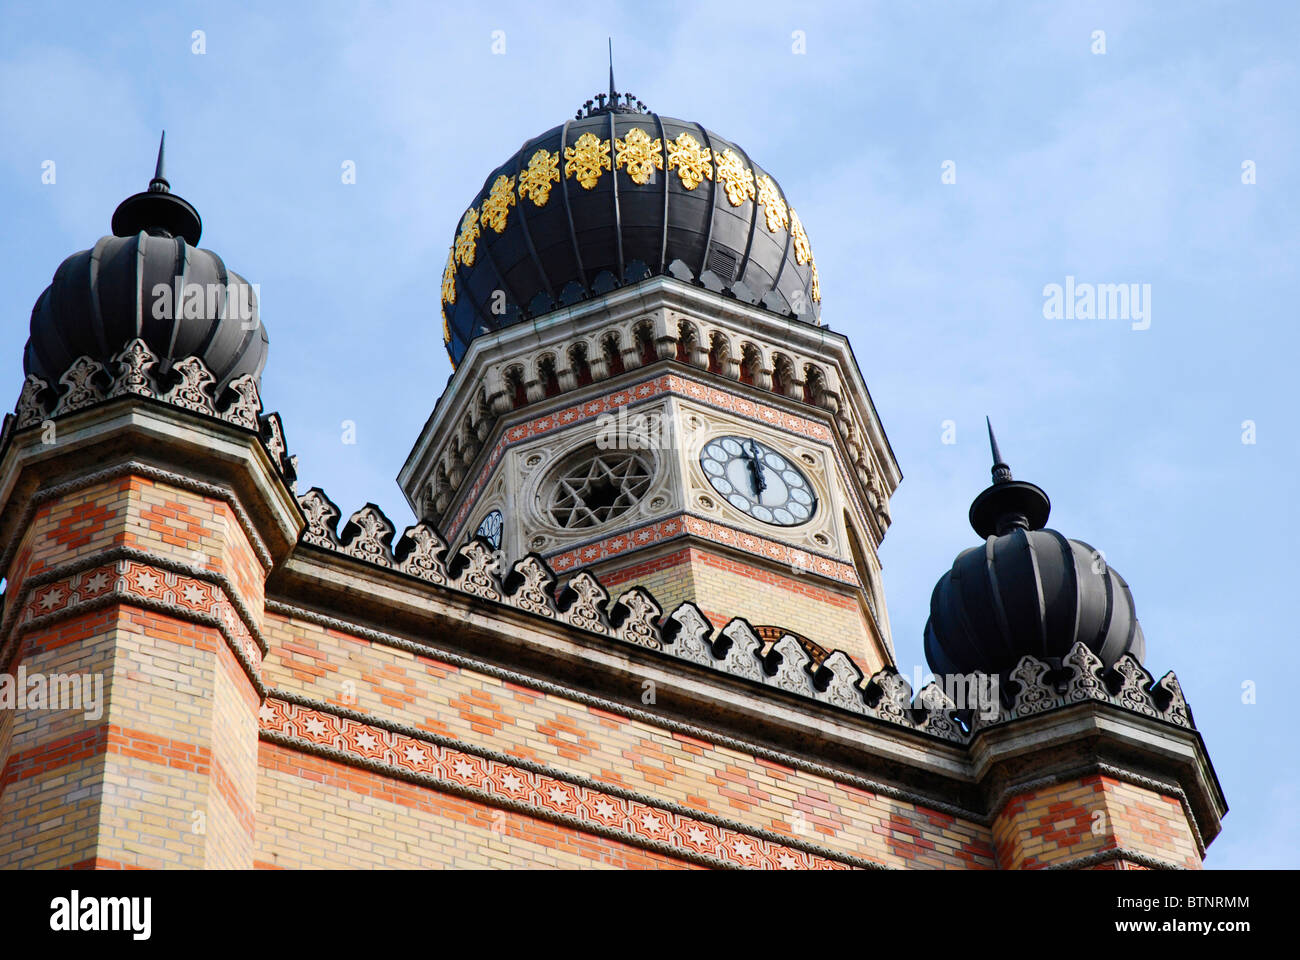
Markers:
point(644, 388)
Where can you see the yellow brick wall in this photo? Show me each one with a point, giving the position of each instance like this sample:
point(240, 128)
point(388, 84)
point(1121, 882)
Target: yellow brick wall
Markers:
point(53, 770)
point(1076, 819)
point(314, 813)
point(724, 587)
point(166, 777)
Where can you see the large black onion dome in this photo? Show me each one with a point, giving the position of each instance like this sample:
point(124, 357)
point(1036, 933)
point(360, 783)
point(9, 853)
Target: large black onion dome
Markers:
point(103, 298)
point(614, 196)
point(1025, 590)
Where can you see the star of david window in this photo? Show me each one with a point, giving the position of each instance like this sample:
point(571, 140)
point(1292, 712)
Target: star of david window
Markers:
point(596, 486)
point(490, 529)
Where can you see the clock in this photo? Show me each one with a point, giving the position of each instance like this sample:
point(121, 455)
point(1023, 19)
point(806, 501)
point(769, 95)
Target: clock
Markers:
point(759, 481)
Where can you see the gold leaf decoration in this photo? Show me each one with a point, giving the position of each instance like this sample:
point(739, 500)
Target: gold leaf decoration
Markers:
point(639, 155)
point(467, 237)
point(449, 279)
point(736, 178)
point(535, 181)
point(498, 203)
point(694, 163)
point(803, 252)
point(586, 159)
point(778, 217)
point(802, 248)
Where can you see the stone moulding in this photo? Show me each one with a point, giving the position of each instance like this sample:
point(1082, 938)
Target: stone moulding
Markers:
point(1115, 853)
point(636, 618)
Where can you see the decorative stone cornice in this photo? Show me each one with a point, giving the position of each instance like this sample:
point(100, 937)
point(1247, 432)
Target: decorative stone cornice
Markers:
point(636, 617)
point(87, 383)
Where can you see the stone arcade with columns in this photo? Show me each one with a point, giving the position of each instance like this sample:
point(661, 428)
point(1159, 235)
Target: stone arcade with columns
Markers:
point(640, 621)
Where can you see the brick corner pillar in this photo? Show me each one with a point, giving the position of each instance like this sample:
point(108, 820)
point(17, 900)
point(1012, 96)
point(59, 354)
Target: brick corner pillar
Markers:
point(1097, 787)
point(137, 547)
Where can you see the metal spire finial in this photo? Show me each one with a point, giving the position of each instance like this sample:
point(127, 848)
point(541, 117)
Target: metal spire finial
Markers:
point(159, 182)
point(612, 101)
point(157, 211)
point(1001, 472)
point(1007, 504)
point(613, 96)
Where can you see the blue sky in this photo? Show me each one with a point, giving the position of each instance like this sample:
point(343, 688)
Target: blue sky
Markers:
point(1122, 167)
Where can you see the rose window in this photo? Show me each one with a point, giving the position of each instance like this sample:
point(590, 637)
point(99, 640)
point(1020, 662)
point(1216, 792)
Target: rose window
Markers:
point(596, 486)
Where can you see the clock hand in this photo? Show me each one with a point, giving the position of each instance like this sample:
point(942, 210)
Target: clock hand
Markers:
point(756, 468)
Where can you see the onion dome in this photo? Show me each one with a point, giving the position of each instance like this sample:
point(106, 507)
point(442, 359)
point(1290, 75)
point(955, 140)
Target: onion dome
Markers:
point(1026, 590)
point(614, 196)
point(149, 280)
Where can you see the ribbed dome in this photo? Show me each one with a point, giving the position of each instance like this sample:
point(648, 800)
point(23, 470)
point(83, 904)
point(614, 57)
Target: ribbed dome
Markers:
point(1026, 590)
point(612, 197)
point(101, 299)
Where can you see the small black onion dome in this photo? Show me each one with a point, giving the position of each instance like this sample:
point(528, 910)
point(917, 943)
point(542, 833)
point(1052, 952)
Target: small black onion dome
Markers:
point(102, 299)
point(1026, 590)
point(542, 234)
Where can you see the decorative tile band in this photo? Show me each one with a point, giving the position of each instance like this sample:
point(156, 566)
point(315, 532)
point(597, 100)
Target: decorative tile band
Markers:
point(133, 577)
point(532, 791)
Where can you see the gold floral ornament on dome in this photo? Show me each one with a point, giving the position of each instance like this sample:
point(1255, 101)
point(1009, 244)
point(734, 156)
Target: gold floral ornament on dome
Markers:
point(498, 203)
point(467, 237)
point(803, 253)
point(535, 180)
point(694, 163)
point(586, 160)
point(449, 278)
point(774, 208)
point(736, 178)
point(639, 155)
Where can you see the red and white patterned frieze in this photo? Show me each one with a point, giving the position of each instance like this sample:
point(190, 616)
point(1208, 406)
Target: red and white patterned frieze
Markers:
point(547, 795)
point(132, 579)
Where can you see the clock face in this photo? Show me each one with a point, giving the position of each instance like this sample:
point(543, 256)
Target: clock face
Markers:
point(758, 480)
